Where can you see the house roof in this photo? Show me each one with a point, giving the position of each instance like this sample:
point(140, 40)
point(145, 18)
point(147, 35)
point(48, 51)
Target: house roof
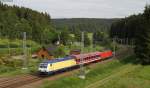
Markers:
point(50, 48)
point(76, 50)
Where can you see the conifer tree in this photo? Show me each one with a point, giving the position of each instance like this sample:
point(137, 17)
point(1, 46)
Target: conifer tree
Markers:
point(142, 48)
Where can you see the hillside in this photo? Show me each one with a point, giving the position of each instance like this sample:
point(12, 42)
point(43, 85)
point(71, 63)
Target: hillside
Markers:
point(84, 24)
point(15, 20)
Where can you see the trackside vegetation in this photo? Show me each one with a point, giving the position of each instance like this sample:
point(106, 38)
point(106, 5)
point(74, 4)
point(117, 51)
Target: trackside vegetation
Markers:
point(115, 74)
point(14, 67)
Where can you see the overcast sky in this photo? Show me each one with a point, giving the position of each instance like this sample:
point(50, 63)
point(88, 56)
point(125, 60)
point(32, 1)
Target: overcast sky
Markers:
point(85, 8)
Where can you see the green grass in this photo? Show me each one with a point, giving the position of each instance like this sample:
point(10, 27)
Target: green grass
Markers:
point(6, 71)
point(139, 78)
point(115, 74)
point(16, 46)
point(4, 43)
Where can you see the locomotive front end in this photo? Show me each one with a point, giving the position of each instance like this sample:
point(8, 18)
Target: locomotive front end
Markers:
point(43, 68)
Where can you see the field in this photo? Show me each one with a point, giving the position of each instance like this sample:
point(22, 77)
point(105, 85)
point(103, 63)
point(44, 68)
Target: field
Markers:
point(115, 74)
point(15, 47)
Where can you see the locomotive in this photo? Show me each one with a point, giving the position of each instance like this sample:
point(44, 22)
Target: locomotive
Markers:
point(59, 64)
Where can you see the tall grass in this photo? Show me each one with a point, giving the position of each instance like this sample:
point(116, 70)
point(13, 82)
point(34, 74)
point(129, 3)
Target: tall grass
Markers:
point(99, 72)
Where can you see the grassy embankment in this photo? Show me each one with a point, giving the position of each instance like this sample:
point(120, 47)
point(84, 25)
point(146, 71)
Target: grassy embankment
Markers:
point(6, 71)
point(9, 66)
point(114, 74)
point(15, 47)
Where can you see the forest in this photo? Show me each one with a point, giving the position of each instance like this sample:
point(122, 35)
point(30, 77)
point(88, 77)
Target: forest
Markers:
point(40, 28)
point(137, 28)
point(15, 20)
point(84, 24)
point(100, 27)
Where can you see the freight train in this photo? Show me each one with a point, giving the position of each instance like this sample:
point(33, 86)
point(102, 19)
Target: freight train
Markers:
point(60, 64)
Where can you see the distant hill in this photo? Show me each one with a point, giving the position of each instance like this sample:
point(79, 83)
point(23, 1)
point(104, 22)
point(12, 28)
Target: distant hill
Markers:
point(84, 24)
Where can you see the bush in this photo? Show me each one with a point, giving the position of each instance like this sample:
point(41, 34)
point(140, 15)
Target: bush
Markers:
point(5, 69)
point(60, 51)
point(14, 63)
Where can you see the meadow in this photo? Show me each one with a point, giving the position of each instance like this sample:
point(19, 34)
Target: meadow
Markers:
point(15, 47)
point(115, 74)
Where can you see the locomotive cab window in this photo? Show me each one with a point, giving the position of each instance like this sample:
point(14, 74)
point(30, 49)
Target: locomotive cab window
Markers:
point(50, 64)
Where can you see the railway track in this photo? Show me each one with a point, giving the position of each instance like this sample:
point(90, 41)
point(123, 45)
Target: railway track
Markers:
point(22, 80)
point(18, 81)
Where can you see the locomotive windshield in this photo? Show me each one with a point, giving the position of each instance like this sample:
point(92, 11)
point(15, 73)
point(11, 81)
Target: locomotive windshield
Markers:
point(43, 65)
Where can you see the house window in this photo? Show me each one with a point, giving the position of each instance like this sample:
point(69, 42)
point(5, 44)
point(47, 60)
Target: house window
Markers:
point(42, 56)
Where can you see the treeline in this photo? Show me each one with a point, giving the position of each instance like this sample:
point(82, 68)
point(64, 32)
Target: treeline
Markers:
point(15, 20)
point(137, 28)
point(99, 27)
point(84, 24)
point(126, 28)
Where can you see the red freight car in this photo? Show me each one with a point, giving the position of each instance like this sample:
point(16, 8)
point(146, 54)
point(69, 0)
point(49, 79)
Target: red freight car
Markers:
point(106, 54)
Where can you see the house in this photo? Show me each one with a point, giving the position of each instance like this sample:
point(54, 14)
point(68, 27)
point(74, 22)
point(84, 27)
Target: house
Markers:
point(75, 52)
point(46, 52)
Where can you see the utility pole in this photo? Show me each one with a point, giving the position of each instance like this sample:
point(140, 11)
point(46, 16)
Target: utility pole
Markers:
point(92, 43)
point(132, 43)
point(8, 45)
point(59, 37)
point(127, 41)
point(114, 39)
point(121, 42)
point(31, 45)
point(82, 70)
point(24, 51)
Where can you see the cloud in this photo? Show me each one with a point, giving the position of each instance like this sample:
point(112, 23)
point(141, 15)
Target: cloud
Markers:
point(85, 8)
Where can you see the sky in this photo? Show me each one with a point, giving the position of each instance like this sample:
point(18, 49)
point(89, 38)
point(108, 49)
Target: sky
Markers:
point(85, 8)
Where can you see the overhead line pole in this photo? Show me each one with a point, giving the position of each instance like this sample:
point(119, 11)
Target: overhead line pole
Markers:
point(92, 43)
point(24, 51)
point(82, 72)
point(59, 37)
point(114, 39)
point(8, 45)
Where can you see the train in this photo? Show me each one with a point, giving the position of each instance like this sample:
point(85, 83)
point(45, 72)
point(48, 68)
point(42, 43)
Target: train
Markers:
point(61, 64)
